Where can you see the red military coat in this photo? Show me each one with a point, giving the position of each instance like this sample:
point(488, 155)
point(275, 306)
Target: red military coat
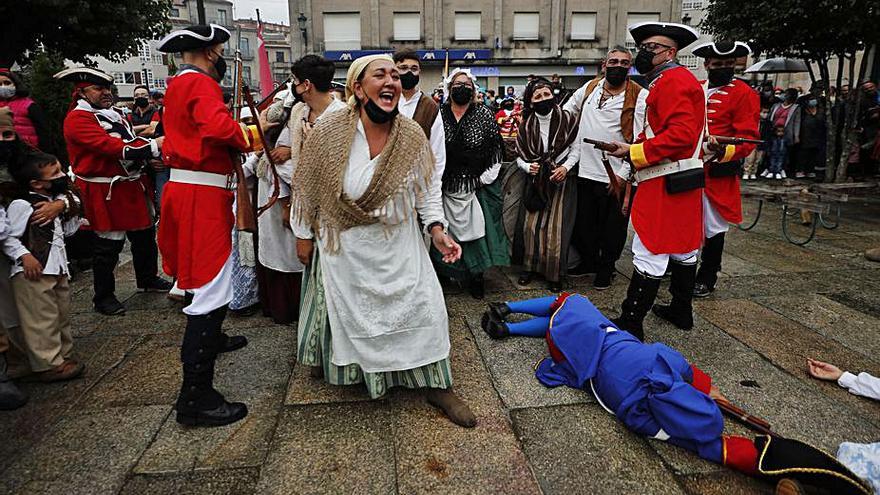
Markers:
point(195, 229)
point(733, 111)
point(670, 223)
point(98, 144)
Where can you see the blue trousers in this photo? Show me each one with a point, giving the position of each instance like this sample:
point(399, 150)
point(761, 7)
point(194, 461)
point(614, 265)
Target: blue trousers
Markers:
point(536, 327)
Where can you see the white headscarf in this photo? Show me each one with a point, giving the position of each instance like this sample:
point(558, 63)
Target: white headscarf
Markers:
point(358, 66)
point(448, 81)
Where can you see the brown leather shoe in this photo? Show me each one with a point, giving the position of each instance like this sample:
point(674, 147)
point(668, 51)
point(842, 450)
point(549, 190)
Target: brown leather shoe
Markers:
point(455, 409)
point(68, 370)
point(873, 254)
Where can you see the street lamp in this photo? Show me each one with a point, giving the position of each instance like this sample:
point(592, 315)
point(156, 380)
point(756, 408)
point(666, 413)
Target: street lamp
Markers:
point(301, 22)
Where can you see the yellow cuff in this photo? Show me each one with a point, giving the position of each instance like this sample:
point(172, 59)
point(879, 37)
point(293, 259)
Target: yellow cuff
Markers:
point(729, 151)
point(637, 156)
point(252, 136)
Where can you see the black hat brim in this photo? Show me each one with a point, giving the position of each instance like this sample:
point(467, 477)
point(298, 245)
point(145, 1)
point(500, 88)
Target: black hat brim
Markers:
point(193, 38)
point(711, 50)
point(681, 34)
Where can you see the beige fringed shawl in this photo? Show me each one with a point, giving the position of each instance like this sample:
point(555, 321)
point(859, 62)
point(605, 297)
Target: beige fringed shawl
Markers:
point(317, 186)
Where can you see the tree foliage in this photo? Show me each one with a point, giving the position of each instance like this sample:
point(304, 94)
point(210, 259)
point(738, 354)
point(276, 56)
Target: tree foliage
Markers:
point(815, 30)
point(78, 29)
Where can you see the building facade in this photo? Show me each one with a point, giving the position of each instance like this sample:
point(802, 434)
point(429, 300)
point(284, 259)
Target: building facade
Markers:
point(502, 41)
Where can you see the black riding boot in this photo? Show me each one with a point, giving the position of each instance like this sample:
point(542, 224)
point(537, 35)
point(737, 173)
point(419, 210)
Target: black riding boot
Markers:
point(639, 297)
point(710, 265)
point(199, 404)
point(680, 311)
point(227, 343)
point(104, 260)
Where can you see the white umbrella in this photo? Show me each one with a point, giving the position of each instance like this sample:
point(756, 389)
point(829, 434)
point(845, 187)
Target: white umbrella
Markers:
point(778, 66)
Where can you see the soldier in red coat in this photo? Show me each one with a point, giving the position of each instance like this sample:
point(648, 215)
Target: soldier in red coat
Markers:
point(108, 159)
point(667, 211)
point(195, 230)
point(733, 110)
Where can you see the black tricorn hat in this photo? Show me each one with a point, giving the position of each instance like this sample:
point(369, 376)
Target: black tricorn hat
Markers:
point(722, 49)
point(85, 75)
point(193, 38)
point(682, 34)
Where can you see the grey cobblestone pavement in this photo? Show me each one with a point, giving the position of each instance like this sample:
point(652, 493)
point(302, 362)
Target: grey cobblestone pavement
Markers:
point(114, 430)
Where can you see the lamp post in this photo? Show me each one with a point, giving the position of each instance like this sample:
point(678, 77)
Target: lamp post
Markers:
point(301, 22)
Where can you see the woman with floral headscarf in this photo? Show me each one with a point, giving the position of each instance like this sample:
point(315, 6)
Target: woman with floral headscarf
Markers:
point(471, 195)
point(550, 201)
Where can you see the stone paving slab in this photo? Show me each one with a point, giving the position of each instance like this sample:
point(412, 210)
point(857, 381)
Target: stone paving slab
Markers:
point(90, 452)
point(582, 449)
point(725, 482)
point(216, 482)
point(256, 375)
point(787, 345)
point(857, 331)
point(331, 448)
point(435, 456)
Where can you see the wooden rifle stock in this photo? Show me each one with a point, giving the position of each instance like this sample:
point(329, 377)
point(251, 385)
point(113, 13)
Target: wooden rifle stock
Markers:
point(249, 99)
point(265, 102)
point(614, 186)
point(740, 415)
point(245, 219)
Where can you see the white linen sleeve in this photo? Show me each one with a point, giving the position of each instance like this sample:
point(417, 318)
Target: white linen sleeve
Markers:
point(429, 201)
point(639, 118)
point(300, 230)
point(522, 164)
point(491, 174)
point(285, 170)
point(250, 165)
point(574, 103)
point(438, 145)
point(19, 212)
point(863, 384)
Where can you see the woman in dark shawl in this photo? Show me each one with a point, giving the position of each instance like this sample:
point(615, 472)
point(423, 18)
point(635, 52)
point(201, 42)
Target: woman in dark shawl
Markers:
point(550, 200)
point(471, 194)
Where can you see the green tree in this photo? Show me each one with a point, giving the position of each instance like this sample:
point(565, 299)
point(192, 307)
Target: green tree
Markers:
point(78, 29)
point(52, 95)
point(814, 30)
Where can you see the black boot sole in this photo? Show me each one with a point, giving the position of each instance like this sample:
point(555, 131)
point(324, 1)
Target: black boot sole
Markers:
point(235, 347)
point(197, 420)
point(664, 313)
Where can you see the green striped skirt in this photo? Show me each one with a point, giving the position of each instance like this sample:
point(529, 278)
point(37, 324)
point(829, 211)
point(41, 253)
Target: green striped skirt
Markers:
point(314, 347)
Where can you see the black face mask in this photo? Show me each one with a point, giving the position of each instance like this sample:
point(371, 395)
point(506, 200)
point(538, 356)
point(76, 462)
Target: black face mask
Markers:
point(616, 75)
point(220, 67)
point(644, 61)
point(58, 186)
point(141, 102)
point(376, 114)
point(544, 107)
point(720, 77)
point(296, 94)
point(7, 151)
point(462, 94)
point(408, 80)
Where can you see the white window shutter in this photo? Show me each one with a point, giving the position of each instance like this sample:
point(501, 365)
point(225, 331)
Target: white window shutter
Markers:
point(583, 26)
point(526, 25)
point(467, 26)
point(407, 26)
point(342, 30)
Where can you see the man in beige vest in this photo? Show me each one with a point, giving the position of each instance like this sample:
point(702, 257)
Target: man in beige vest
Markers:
point(612, 108)
point(419, 106)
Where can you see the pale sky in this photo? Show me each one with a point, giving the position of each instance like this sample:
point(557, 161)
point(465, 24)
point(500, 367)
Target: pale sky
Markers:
point(270, 10)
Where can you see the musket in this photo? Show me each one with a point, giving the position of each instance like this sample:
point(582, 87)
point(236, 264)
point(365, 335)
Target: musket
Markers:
point(733, 140)
point(265, 102)
point(245, 219)
point(249, 99)
point(740, 415)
